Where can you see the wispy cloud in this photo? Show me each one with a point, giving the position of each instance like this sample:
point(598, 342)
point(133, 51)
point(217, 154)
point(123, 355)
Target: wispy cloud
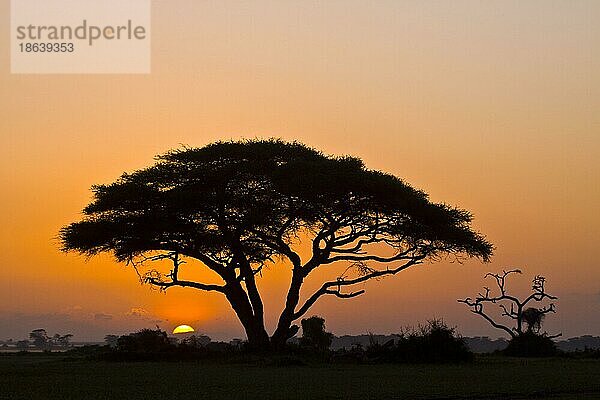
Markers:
point(138, 312)
point(102, 317)
point(141, 314)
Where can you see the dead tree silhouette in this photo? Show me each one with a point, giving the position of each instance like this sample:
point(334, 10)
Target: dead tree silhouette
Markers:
point(512, 307)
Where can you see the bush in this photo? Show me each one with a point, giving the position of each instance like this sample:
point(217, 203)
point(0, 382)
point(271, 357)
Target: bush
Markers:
point(529, 344)
point(432, 343)
point(145, 341)
point(314, 336)
point(194, 341)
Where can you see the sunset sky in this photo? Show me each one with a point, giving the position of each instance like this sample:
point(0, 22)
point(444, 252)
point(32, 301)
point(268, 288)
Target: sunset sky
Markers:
point(490, 106)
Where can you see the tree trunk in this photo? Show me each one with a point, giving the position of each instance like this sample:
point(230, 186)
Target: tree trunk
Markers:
point(519, 320)
point(281, 336)
point(285, 330)
point(258, 339)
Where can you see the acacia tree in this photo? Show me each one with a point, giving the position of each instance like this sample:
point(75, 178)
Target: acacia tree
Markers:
point(512, 307)
point(237, 206)
point(41, 340)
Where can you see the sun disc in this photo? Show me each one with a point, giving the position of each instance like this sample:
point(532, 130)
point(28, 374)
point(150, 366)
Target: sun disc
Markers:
point(183, 329)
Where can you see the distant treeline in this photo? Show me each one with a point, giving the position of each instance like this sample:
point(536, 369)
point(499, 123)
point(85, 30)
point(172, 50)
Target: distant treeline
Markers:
point(478, 344)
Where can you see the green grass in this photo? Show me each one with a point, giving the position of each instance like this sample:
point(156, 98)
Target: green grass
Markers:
point(43, 376)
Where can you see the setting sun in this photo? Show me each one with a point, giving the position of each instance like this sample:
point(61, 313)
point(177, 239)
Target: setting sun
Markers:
point(183, 329)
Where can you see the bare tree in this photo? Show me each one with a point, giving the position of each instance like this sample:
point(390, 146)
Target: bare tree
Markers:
point(511, 307)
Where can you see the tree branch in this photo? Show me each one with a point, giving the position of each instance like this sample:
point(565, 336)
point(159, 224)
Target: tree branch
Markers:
point(155, 278)
point(342, 282)
point(278, 244)
point(512, 314)
point(165, 285)
point(404, 255)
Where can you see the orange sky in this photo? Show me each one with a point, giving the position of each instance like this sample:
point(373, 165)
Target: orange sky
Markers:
point(490, 106)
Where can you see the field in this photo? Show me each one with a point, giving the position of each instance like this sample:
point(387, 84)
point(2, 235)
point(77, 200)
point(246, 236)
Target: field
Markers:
point(49, 376)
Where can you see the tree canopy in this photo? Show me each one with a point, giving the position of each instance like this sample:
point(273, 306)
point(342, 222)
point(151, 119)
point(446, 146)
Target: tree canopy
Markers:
point(235, 206)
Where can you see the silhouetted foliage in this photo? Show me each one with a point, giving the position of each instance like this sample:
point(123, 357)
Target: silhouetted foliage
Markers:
point(40, 339)
point(314, 335)
point(530, 344)
point(62, 340)
point(156, 345)
point(196, 341)
point(145, 341)
point(533, 318)
point(432, 343)
point(236, 206)
point(111, 340)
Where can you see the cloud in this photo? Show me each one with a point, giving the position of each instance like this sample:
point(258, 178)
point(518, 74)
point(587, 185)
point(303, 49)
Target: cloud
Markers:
point(103, 317)
point(72, 310)
point(138, 312)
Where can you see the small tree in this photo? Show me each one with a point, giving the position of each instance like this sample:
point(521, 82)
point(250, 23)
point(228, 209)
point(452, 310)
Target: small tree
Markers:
point(63, 341)
point(513, 308)
point(39, 338)
point(314, 335)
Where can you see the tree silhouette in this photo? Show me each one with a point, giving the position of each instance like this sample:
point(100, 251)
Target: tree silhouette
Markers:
point(39, 338)
point(314, 335)
point(236, 207)
point(512, 307)
point(63, 341)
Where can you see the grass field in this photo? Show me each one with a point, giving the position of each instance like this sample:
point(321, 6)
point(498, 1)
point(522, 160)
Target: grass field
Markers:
point(43, 376)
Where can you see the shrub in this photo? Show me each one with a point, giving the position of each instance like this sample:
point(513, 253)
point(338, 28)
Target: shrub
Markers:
point(432, 343)
point(145, 341)
point(529, 344)
point(314, 335)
